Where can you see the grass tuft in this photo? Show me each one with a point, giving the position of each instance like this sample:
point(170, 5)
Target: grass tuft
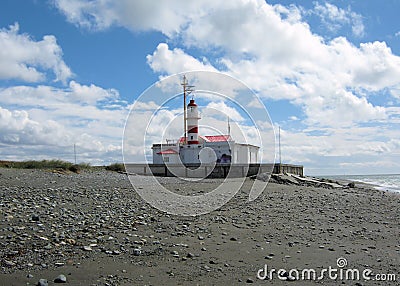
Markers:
point(116, 167)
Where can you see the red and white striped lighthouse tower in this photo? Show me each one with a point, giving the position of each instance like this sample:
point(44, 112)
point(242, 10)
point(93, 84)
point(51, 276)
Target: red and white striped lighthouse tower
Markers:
point(192, 123)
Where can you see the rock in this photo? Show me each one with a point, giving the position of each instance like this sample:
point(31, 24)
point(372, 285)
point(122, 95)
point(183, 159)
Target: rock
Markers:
point(60, 279)
point(190, 255)
point(9, 263)
point(200, 237)
point(249, 280)
point(137, 252)
point(35, 218)
point(87, 248)
point(43, 282)
point(58, 264)
point(233, 239)
point(351, 185)
point(70, 241)
point(29, 276)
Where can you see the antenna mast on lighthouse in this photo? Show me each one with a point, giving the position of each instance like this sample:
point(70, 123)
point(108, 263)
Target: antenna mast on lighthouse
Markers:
point(187, 89)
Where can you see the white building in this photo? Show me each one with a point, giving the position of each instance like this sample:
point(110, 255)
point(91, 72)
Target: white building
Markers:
point(218, 148)
point(197, 149)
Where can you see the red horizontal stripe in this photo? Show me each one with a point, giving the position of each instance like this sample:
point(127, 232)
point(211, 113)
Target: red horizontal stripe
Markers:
point(193, 129)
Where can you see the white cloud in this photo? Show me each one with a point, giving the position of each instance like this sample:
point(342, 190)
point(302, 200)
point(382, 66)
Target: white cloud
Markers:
point(49, 97)
point(26, 59)
point(273, 50)
point(18, 128)
point(45, 121)
point(90, 94)
point(167, 16)
point(174, 61)
point(335, 18)
point(221, 109)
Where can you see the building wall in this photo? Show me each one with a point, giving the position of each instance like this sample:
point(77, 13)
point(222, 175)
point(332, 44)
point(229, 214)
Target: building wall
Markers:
point(243, 154)
point(169, 158)
point(223, 150)
point(190, 153)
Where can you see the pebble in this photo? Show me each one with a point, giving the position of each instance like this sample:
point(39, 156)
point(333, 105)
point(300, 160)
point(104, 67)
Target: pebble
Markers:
point(35, 218)
point(60, 279)
point(59, 264)
point(190, 255)
point(137, 252)
point(42, 282)
point(9, 263)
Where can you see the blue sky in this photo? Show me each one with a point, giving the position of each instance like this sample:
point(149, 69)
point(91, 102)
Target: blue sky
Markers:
point(327, 71)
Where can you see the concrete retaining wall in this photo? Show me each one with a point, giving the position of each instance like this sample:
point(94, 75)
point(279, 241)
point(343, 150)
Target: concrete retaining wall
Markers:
point(217, 171)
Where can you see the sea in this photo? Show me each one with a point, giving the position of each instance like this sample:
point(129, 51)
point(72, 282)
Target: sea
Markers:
point(381, 182)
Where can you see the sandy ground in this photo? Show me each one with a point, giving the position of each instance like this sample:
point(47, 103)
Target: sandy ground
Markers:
point(96, 230)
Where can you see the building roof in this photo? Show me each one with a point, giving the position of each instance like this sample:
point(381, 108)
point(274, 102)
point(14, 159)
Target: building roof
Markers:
point(217, 138)
point(211, 138)
point(168, 151)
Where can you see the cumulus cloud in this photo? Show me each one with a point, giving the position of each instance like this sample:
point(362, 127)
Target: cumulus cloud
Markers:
point(25, 59)
point(49, 97)
point(48, 120)
point(335, 18)
point(168, 16)
point(174, 61)
point(223, 110)
point(18, 128)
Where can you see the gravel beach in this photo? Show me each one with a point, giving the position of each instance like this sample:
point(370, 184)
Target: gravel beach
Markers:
point(93, 228)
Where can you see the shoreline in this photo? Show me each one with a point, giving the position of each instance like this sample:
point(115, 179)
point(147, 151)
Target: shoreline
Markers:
point(374, 180)
point(95, 229)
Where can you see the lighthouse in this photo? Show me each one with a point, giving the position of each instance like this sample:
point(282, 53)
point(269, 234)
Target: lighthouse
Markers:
point(194, 149)
point(192, 123)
